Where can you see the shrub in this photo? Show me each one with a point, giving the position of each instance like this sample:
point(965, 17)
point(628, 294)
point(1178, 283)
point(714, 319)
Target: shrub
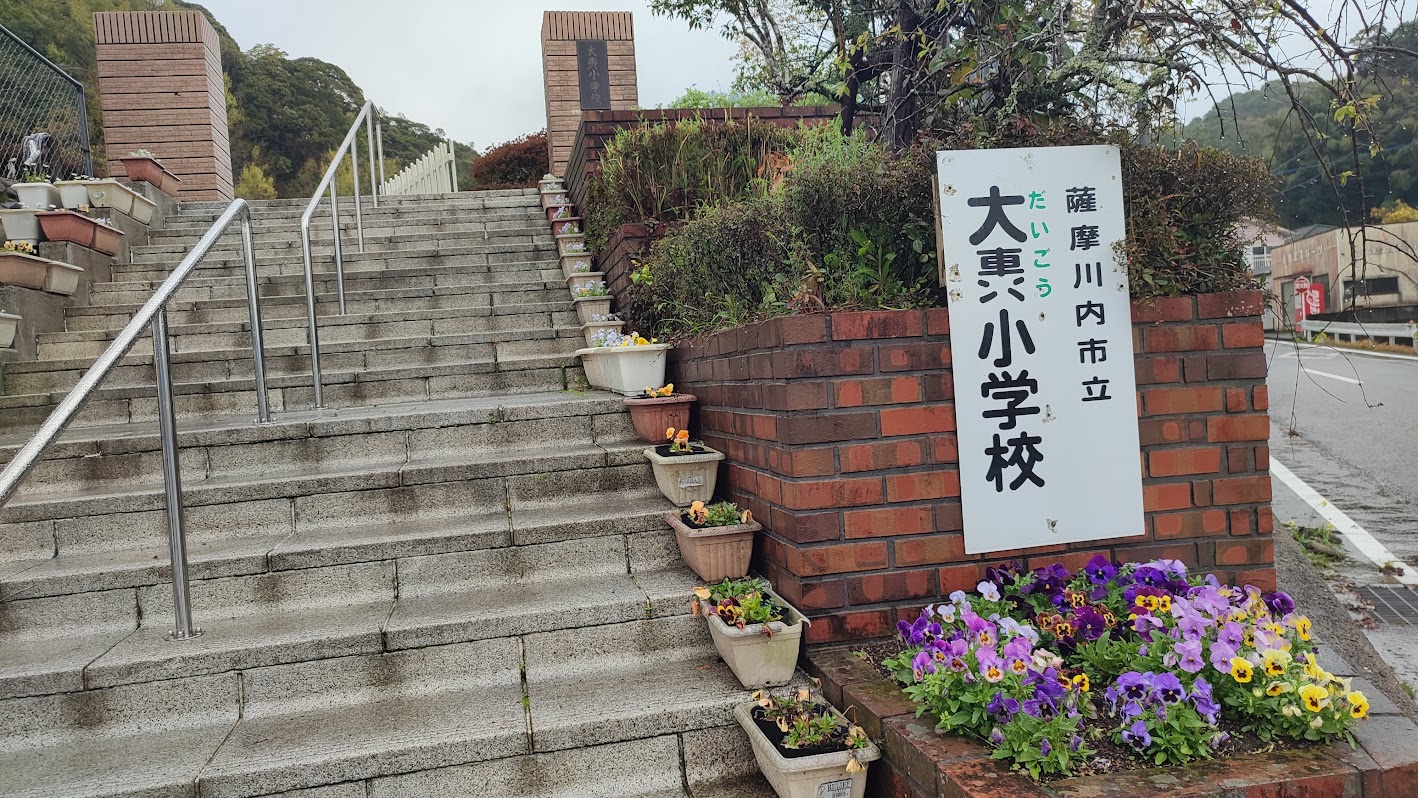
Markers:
point(519, 163)
point(665, 173)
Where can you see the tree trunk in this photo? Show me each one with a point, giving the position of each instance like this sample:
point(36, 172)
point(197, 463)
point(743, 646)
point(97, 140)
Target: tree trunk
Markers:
point(901, 103)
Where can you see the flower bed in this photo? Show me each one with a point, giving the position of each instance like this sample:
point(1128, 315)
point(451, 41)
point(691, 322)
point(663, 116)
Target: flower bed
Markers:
point(1119, 667)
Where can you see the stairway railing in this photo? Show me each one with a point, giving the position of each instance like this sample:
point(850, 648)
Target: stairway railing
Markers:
point(350, 146)
point(154, 312)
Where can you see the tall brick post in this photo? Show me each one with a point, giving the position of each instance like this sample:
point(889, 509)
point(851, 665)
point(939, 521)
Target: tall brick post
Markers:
point(588, 64)
point(160, 78)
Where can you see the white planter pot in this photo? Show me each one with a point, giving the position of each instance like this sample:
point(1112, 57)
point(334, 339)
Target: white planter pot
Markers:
point(571, 263)
point(624, 369)
point(62, 279)
point(567, 245)
point(143, 209)
point(685, 478)
point(584, 280)
point(755, 658)
point(818, 776)
point(590, 329)
point(73, 193)
point(9, 324)
point(20, 224)
point(588, 308)
point(39, 196)
point(111, 194)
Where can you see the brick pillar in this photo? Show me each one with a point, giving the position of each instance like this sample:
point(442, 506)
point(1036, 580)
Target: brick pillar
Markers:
point(160, 78)
point(568, 91)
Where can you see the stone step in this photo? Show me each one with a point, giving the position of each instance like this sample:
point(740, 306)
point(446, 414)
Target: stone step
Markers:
point(406, 722)
point(353, 327)
point(379, 240)
point(215, 266)
point(296, 206)
point(386, 221)
point(334, 611)
point(462, 245)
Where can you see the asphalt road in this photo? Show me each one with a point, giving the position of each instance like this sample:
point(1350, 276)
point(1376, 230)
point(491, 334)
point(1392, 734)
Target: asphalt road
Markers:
point(1347, 424)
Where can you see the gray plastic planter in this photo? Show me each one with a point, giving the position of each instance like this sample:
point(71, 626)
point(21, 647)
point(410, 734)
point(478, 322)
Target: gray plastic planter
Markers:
point(683, 478)
point(755, 658)
point(819, 776)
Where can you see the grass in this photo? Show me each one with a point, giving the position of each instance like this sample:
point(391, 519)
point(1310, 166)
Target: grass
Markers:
point(1320, 544)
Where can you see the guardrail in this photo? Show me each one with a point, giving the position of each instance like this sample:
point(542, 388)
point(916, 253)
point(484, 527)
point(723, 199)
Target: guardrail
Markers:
point(1356, 330)
point(434, 173)
point(154, 312)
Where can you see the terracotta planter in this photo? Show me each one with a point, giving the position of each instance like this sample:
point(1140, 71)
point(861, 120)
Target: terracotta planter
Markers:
point(551, 199)
point(686, 478)
point(564, 227)
point(568, 211)
point(20, 224)
point(107, 239)
point(758, 659)
point(625, 370)
point(715, 553)
point(9, 324)
point(818, 776)
point(588, 308)
point(25, 271)
point(67, 226)
point(62, 278)
point(652, 416)
point(590, 329)
point(37, 196)
point(142, 169)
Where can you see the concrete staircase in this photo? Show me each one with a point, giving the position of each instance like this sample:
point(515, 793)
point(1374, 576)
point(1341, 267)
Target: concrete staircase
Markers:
point(453, 581)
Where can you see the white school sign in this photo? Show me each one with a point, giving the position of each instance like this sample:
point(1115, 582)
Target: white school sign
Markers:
point(1041, 341)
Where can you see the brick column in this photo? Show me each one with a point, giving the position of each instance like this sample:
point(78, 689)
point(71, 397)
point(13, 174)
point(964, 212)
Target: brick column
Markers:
point(561, 30)
point(160, 78)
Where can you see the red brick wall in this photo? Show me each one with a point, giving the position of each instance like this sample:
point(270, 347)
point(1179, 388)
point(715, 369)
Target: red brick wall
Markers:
point(562, 81)
point(839, 431)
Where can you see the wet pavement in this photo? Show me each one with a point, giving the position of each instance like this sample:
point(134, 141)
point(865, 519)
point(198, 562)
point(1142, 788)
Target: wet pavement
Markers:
point(1346, 425)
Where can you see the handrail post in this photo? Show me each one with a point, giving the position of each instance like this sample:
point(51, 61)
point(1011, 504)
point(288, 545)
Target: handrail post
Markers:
point(379, 139)
point(369, 145)
point(314, 328)
point(258, 344)
point(339, 248)
point(172, 486)
point(359, 215)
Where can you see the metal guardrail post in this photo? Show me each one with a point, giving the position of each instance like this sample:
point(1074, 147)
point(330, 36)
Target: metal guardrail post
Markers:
point(359, 214)
point(379, 139)
point(258, 343)
point(183, 629)
point(314, 328)
point(339, 248)
point(369, 145)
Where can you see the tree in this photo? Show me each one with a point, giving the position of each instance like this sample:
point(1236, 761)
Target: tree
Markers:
point(253, 184)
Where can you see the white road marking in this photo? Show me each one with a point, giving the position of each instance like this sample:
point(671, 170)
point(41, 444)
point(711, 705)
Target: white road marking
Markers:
point(1335, 349)
point(1349, 380)
point(1362, 540)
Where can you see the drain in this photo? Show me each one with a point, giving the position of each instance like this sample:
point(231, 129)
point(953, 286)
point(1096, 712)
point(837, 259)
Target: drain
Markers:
point(1392, 605)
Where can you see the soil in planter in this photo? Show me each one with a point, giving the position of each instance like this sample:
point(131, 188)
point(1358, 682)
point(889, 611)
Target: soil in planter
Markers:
point(1110, 757)
point(663, 450)
point(770, 730)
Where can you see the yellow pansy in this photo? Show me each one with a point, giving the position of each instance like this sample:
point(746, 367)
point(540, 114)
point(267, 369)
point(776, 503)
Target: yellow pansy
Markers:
point(1302, 627)
point(1241, 670)
point(1164, 603)
point(1279, 688)
point(1358, 704)
point(1081, 682)
point(1314, 697)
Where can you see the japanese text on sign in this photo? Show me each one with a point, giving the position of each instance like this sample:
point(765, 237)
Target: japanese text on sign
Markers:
point(1041, 338)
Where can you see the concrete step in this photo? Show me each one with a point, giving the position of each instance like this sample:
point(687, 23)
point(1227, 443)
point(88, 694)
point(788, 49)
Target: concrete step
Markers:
point(528, 230)
point(413, 258)
point(462, 245)
point(396, 221)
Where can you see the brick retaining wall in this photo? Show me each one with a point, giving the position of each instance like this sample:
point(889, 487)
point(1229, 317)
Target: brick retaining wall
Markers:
point(839, 431)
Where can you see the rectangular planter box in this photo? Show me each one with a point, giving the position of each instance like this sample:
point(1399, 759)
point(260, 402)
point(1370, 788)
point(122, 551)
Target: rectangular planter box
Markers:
point(685, 478)
point(820, 776)
point(25, 271)
point(67, 226)
point(143, 169)
point(62, 278)
point(20, 224)
point(715, 553)
point(115, 195)
point(587, 308)
point(553, 211)
point(757, 659)
point(563, 227)
point(73, 193)
point(625, 369)
point(569, 264)
point(566, 245)
point(37, 196)
point(584, 280)
point(9, 324)
point(591, 328)
point(552, 199)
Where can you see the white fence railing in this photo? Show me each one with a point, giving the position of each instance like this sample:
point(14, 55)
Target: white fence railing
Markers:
point(434, 173)
point(1350, 330)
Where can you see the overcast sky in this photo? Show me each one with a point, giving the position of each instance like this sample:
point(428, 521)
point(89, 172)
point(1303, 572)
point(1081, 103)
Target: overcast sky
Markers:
point(471, 67)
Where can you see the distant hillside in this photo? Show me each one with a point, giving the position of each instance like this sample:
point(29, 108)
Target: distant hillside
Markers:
point(1261, 123)
point(286, 115)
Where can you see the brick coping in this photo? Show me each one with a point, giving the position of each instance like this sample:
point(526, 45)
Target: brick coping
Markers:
point(920, 762)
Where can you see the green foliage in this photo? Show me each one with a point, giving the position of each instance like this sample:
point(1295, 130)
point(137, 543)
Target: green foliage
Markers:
point(740, 98)
point(806, 723)
point(664, 173)
point(519, 163)
point(253, 184)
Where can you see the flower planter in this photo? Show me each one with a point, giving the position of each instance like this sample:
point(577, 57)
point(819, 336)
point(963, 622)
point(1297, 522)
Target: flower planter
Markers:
point(73, 193)
point(686, 478)
point(757, 659)
point(570, 263)
point(37, 196)
point(551, 199)
point(572, 245)
point(556, 213)
point(817, 776)
point(625, 369)
point(588, 308)
point(62, 278)
point(115, 195)
point(67, 226)
point(25, 271)
point(584, 280)
point(142, 169)
point(715, 553)
point(107, 239)
point(591, 328)
point(564, 227)
point(651, 416)
point(20, 224)
point(9, 324)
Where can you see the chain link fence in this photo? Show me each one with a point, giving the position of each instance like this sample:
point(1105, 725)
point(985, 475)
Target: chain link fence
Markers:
point(37, 97)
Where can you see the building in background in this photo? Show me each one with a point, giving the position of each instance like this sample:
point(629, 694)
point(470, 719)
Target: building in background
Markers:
point(1261, 240)
point(1381, 287)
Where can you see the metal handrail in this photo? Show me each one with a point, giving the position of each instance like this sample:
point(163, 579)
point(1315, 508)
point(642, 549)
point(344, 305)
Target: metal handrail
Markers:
point(350, 145)
point(154, 312)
